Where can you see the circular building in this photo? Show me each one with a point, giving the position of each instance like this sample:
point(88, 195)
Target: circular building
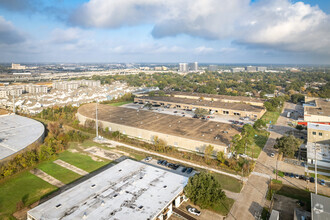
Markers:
point(17, 132)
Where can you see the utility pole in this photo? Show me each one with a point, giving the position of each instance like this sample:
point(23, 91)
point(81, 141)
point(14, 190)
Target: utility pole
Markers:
point(315, 169)
point(96, 122)
point(14, 109)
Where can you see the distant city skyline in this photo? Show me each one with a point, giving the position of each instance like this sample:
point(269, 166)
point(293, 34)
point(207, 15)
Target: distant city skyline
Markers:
point(172, 31)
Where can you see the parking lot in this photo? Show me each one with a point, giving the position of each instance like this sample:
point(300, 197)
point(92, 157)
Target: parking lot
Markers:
point(229, 119)
point(176, 168)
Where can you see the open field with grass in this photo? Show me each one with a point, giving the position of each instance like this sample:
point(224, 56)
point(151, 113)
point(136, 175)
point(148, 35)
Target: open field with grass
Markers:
point(82, 161)
point(224, 206)
point(62, 174)
point(24, 187)
point(259, 142)
point(120, 103)
point(271, 117)
point(228, 183)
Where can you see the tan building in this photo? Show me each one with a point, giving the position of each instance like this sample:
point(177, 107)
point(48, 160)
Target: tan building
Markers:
point(316, 110)
point(318, 144)
point(221, 98)
point(216, 107)
point(186, 133)
point(15, 66)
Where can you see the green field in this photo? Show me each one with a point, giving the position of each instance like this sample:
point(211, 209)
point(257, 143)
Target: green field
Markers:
point(120, 103)
point(62, 174)
point(271, 116)
point(224, 206)
point(228, 183)
point(24, 187)
point(259, 143)
point(82, 161)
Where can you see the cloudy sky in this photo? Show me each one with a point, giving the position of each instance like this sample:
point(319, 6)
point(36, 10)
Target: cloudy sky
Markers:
point(212, 31)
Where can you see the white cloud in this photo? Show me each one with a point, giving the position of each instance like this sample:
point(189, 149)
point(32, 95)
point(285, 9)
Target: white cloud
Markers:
point(278, 24)
point(9, 34)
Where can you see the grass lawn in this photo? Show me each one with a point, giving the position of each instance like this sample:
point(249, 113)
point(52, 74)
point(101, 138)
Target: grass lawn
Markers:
point(259, 143)
point(224, 206)
point(82, 161)
point(120, 103)
point(271, 116)
point(229, 183)
point(62, 174)
point(23, 186)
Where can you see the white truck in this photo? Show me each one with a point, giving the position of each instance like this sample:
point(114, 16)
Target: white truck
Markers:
point(288, 115)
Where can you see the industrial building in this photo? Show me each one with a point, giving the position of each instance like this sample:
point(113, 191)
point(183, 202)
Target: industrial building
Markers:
point(316, 110)
point(216, 107)
point(186, 133)
point(215, 97)
point(17, 133)
point(128, 190)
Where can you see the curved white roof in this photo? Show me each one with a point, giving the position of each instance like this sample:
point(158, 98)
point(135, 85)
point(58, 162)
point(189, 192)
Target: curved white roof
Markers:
point(17, 132)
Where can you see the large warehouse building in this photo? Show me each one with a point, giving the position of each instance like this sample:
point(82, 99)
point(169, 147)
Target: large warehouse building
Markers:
point(218, 107)
point(187, 133)
point(17, 132)
point(214, 97)
point(128, 190)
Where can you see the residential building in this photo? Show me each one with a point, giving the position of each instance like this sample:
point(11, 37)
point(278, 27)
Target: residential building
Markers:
point(128, 190)
point(261, 68)
point(238, 69)
point(251, 69)
point(183, 67)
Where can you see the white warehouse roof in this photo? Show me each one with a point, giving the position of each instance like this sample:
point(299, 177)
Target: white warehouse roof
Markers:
point(128, 190)
point(17, 132)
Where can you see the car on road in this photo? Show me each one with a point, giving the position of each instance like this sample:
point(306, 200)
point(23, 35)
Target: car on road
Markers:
point(194, 211)
point(147, 159)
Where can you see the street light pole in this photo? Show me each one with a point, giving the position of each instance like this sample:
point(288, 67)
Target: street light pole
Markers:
point(315, 169)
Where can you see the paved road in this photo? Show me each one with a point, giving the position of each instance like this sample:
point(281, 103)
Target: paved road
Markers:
point(252, 197)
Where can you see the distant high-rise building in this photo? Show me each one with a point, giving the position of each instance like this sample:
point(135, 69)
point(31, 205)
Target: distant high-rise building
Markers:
point(251, 69)
point(213, 67)
point(261, 68)
point(195, 66)
point(237, 69)
point(15, 66)
point(183, 67)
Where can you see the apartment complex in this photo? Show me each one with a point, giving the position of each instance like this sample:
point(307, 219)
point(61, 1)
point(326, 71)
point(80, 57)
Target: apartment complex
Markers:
point(186, 133)
point(71, 85)
point(128, 190)
point(17, 90)
point(216, 107)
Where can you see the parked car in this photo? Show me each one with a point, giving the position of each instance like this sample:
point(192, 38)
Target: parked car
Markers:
point(147, 159)
point(189, 170)
point(164, 163)
point(175, 111)
point(322, 182)
point(272, 155)
point(286, 174)
point(183, 115)
point(291, 175)
point(312, 180)
point(160, 161)
point(300, 203)
point(184, 169)
point(296, 176)
point(194, 211)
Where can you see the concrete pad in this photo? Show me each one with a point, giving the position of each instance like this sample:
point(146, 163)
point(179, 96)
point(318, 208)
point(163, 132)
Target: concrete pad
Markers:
point(70, 167)
point(44, 176)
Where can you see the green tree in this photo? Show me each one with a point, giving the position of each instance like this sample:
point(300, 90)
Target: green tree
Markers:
point(287, 145)
point(259, 124)
point(204, 190)
point(221, 157)
point(295, 98)
point(200, 112)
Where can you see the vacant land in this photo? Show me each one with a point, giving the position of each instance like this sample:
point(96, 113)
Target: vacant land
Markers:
point(224, 206)
point(82, 161)
point(271, 117)
point(254, 150)
point(228, 183)
point(62, 174)
point(24, 187)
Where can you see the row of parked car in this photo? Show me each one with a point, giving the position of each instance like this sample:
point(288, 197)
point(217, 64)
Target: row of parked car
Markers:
point(173, 166)
point(302, 177)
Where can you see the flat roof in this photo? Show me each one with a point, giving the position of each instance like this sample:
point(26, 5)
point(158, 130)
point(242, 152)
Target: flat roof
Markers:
point(192, 128)
point(17, 132)
point(317, 126)
point(128, 190)
point(224, 97)
point(320, 207)
point(205, 103)
point(321, 108)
